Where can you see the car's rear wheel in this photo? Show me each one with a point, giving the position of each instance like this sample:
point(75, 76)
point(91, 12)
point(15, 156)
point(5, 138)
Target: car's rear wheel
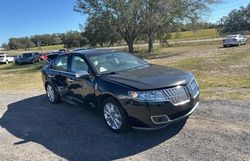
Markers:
point(52, 94)
point(115, 116)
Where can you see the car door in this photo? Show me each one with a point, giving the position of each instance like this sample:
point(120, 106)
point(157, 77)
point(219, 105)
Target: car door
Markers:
point(59, 73)
point(81, 88)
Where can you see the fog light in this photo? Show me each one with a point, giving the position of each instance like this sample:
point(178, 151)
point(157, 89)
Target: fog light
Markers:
point(160, 119)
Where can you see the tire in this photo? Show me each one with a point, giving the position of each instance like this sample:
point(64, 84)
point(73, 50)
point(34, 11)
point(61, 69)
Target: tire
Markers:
point(224, 46)
point(52, 94)
point(115, 116)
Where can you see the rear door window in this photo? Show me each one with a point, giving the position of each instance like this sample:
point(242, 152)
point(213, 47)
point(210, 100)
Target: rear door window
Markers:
point(61, 63)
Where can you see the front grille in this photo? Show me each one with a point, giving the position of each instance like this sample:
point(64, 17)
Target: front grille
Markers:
point(177, 95)
point(193, 88)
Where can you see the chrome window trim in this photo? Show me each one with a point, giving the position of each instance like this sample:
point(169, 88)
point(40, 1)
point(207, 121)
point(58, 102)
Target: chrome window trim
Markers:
point(61, 71)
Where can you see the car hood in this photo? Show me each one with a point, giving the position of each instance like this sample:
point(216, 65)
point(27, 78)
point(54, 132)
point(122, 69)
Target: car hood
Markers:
point(151, 77)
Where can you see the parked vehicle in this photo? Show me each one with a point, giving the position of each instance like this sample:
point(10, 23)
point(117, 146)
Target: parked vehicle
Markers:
point(63, 50)
point(43, 57)
point(28, 58)
point(4, 58)
point(53, 55)
point(234, 40)
point(80, 49)
point(126, 90)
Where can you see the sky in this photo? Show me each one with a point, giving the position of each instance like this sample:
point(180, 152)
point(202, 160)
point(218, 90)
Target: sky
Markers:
point(19, 18)
point(221, 9)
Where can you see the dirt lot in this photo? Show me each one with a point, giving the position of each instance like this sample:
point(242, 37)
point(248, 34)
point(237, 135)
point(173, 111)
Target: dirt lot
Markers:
point(33, 129)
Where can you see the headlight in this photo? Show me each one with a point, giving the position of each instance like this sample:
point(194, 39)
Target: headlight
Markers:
point(147, 96)
point(194, 88)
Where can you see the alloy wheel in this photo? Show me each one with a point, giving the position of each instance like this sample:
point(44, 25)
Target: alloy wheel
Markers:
point(50, 93)
point(112, 116)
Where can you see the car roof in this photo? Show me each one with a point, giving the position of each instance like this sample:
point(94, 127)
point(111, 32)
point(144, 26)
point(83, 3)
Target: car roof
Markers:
point(235, 35)
point(96, 51)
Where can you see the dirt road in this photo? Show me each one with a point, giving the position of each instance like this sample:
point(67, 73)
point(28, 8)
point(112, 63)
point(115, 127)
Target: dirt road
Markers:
point(33, 129)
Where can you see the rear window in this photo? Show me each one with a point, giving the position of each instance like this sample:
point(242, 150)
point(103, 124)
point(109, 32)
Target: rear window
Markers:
point(61, 63)
point(232, 36)
point(27, 55)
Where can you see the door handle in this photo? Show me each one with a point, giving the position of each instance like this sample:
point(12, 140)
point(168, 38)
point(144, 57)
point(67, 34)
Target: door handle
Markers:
point(70, 80)
point(51, 75)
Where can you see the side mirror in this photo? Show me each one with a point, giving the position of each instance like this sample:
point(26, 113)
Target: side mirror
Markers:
point(82, 74)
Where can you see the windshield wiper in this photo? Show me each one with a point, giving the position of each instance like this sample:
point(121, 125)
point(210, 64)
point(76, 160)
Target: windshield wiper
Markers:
point(111, 73)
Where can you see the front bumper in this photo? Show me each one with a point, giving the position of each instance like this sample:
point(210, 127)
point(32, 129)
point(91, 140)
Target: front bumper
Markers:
point(158, 115)
point(2, 61)
point(24, 61)
point(231, 43)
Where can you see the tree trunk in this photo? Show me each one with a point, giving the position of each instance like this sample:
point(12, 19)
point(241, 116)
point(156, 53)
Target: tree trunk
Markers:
point(131, 45)
point(150, 41)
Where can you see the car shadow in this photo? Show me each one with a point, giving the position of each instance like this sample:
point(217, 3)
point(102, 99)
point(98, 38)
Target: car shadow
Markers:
point(75, 133)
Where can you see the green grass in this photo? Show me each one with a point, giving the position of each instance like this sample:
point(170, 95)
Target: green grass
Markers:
point(21, 77)
point(195, 35)
point(222, 73)
point(47, 48)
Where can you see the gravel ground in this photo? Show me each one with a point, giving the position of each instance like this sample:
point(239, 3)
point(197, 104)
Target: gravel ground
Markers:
point(33, 129)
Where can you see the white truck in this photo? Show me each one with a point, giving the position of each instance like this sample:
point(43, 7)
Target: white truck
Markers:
point(4, 58)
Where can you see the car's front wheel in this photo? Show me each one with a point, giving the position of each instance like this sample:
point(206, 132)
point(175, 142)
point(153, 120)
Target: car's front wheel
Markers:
point(52, 94)
point(115, 116)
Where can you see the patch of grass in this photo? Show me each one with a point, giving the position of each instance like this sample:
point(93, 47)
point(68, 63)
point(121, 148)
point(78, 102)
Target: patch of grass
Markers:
point(47, 48)
point(21, 77)
point(195, 35)
point(221, 72)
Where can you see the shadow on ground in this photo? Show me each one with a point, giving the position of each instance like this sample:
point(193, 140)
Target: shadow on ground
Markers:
point(75, 133)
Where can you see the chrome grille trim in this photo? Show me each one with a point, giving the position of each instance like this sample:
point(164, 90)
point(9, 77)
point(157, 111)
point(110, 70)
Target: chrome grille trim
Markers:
point(177, 95)
point(192, 91)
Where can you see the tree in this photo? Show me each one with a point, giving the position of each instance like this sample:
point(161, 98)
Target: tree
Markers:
point(99, 30)
point(236, 21)
point(134, 17)
point(73, 39)
point(125, 16)
point(162, 16)
point(20, 43)
point(5, 46)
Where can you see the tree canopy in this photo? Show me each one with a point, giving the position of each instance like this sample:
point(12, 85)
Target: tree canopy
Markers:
point(236, 21)
point(133, 18)
point(70, 39)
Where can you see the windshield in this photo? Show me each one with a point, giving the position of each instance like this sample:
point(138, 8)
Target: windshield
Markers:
point(27, 55)
point(115, 62)
point(232, 36)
